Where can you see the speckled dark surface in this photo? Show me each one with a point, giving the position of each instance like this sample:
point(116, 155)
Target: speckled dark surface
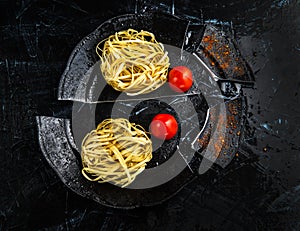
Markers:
point(258, 190)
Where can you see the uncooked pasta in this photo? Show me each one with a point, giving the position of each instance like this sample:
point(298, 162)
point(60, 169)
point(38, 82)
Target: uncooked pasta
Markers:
point(116, 152)
point(133, 62)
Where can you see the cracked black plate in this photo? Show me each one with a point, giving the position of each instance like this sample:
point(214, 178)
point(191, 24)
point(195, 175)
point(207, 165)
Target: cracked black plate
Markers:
point(61, 144)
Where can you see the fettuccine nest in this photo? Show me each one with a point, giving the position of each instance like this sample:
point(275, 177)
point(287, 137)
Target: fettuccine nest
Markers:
point(116, 152)
point(133, 62)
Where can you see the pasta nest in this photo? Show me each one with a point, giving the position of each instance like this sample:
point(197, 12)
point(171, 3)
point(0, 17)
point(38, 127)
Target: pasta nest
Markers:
point(133, 62)
point(116, 152)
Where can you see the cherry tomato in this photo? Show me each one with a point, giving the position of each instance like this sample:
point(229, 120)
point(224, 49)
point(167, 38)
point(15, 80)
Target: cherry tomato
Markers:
point(180, 78)
point(164, 126)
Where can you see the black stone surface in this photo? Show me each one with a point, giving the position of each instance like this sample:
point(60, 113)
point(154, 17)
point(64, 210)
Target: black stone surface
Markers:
point(258, 190)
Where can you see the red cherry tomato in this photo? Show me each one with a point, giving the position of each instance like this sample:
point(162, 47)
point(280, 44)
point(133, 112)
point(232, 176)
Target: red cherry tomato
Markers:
point(164, 126)
point(180, 78)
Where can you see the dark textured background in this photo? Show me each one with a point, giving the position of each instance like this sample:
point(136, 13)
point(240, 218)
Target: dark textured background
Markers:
point(258, 193)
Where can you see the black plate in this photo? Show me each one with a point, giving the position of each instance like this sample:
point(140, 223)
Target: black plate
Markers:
point(60, 142)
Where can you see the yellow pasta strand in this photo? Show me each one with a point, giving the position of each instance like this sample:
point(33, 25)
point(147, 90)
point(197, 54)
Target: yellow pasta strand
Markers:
point(116, 152)
point(133, 62)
